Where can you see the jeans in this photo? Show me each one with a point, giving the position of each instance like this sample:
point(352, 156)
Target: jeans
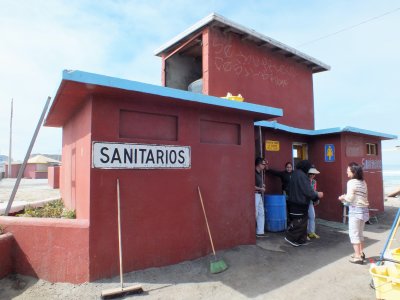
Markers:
point(311, 218)
point(260, 218)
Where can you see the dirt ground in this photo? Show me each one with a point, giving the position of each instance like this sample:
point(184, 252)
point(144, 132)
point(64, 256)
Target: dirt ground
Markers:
point(271, 269)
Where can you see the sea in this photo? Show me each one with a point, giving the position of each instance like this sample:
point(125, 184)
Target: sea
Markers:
point(391, 178)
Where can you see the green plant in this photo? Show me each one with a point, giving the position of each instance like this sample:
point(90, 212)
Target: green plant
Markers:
point(68, 214)
point(53, 209)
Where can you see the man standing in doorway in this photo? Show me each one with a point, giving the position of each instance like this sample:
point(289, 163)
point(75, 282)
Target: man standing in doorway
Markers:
point(259, 193)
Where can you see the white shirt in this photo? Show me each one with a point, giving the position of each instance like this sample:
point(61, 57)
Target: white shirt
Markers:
point(357, 193)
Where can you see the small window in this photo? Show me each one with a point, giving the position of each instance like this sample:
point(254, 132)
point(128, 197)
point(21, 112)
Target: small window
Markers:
point(372, 149)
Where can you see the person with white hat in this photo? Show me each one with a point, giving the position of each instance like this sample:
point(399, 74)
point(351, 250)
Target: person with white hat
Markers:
point(311, 211)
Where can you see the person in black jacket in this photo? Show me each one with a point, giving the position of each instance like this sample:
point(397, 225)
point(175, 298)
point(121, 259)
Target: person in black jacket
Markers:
point(300, 195)
point(284, 176)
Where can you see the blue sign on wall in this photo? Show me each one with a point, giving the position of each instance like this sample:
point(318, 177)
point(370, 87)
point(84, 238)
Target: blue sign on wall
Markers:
point(329, 153)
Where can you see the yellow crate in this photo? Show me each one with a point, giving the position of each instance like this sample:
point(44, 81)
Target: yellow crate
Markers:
point(396, 254)
point(386, 282)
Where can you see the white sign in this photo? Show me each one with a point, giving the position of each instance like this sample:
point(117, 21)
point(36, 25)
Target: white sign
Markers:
point(139, 156)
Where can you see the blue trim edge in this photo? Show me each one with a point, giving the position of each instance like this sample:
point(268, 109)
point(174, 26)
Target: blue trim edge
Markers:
point(113, 82)
point(276, 125)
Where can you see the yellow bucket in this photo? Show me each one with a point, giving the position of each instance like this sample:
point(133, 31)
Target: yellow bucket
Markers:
point(396, 254)
point(386, 282)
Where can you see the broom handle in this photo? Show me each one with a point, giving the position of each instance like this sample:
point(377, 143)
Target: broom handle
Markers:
point(205, 217)
point(119, 236)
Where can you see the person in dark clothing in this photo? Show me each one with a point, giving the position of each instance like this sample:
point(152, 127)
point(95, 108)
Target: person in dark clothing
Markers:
point(284, 176)
point(300, 195)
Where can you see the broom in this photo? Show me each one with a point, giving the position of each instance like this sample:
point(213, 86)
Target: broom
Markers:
point(217, 265)
point(121, 291)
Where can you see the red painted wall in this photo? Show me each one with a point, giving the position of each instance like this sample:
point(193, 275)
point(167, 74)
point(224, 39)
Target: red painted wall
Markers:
point(355, 150)
point(162, 220)
point(6, 247)
point(278, 159)
point(333, 178)
point(76, 161)
point(56, 250)
point(32, 172)
point(260, 75)
point(54, 176)
point(14, 170)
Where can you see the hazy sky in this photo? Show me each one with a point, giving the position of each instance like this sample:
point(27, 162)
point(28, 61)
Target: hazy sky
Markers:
point(41, 38)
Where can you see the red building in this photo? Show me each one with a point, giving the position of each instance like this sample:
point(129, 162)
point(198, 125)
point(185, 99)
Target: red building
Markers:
point(164, 142)
point(228, 57)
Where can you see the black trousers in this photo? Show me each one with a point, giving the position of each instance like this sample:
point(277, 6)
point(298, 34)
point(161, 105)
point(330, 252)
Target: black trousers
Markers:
point(297, 230)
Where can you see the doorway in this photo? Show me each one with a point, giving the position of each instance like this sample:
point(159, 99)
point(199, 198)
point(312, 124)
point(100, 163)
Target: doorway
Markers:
point(300, 152)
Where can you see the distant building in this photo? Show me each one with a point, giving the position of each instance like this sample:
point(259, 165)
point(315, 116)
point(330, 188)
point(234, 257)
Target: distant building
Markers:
point(36, 167)
point(3, 159)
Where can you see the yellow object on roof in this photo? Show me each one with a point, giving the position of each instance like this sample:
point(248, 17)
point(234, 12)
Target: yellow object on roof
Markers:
point(229, 96)
point(41, 159)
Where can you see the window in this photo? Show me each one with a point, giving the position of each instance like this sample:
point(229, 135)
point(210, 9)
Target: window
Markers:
point(372, 149)
point(300, 152)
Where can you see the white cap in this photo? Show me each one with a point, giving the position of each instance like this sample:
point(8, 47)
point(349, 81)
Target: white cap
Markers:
point(313, 171)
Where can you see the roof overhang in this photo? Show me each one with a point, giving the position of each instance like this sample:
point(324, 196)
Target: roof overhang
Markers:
point(318, 132)
point(77, 86)
point(218, 21)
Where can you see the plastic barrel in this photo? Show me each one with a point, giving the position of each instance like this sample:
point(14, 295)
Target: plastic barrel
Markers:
point(275, 212)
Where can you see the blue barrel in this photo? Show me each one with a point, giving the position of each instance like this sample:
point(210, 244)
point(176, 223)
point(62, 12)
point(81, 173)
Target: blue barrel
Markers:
point(275, 212)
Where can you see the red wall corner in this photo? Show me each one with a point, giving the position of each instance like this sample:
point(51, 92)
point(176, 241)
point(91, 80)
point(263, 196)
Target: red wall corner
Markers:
point(54, 176)
point(6, 248)
point(56, 250)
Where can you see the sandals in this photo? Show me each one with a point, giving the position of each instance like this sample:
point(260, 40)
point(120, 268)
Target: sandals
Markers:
point(362, 256)
point(355, 260)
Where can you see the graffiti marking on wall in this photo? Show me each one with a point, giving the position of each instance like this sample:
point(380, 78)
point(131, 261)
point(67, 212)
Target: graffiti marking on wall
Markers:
point(371, 164)
point(228, 60)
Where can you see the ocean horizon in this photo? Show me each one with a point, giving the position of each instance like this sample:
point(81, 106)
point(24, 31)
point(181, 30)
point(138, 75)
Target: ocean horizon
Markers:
point(391, 177)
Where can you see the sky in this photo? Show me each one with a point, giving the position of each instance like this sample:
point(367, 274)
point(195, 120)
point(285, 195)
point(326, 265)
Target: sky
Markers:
point(360, 40)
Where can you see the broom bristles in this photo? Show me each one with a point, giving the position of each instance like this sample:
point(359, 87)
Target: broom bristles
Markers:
point(218, 266)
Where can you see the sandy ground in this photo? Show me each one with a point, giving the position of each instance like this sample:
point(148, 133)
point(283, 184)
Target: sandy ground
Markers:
point(30, 191)
point(272, 269)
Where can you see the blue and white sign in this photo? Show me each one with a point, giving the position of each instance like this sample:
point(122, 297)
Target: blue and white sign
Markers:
point(139, 156)
point(329, 152)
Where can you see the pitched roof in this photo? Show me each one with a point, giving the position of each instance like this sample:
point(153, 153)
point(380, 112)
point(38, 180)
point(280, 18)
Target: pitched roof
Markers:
point(40, 159)
point(216, 20)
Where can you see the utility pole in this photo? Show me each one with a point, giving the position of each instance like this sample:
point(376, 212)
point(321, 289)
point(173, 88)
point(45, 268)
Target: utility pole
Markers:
point(9, 149)
point(28, 153)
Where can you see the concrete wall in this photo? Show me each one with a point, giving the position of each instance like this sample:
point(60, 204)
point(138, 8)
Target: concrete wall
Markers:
point(261, 76)
point(76, 161)
point(278, 159)
point(162, 220)
point(333, 178)
point(54, 176)
point(6, 259)
point(14, 170)
point(56, 250)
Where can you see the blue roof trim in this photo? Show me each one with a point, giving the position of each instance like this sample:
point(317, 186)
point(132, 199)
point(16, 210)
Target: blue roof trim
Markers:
point(276, 125)
point(113, 82)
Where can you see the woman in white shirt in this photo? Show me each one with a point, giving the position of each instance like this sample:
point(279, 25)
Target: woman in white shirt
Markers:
point(357, 200)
